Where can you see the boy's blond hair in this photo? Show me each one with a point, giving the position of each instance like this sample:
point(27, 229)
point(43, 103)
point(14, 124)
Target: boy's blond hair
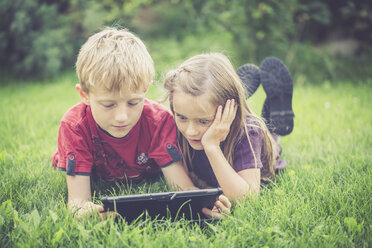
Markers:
point(117, 59)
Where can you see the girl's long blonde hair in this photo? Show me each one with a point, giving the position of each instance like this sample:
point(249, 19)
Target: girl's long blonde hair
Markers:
point(213, 74)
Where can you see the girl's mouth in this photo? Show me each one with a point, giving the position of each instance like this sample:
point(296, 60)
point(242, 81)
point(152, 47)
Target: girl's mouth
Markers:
point(194, 141)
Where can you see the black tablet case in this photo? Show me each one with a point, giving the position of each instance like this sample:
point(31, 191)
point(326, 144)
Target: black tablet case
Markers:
point(175, 205)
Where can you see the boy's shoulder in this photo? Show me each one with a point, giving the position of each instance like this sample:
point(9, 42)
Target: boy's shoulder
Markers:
point(154, 112)
point(75, 115)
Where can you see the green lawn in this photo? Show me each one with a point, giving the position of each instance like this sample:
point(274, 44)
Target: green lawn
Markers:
point(323, 198)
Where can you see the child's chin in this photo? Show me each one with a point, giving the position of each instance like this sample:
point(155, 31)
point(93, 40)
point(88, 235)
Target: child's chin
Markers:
point(119, 135)
point(198, 147)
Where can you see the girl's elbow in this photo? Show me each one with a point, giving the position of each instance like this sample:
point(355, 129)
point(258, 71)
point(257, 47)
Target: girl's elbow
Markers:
point(248, 191)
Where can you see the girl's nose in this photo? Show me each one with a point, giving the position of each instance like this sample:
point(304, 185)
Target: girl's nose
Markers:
point(191, 130)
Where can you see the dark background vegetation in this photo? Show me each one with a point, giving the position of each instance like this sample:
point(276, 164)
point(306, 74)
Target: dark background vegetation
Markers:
point(324, 40)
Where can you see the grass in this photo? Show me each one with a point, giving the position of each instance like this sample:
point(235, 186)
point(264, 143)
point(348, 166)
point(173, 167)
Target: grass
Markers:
point(323, 199)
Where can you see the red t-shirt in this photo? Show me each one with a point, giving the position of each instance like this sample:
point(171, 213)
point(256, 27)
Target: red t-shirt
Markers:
point(85, 149)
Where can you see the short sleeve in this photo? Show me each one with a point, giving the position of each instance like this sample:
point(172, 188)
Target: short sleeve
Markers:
point(245, 155)
point(164, 149)
point(74, 156)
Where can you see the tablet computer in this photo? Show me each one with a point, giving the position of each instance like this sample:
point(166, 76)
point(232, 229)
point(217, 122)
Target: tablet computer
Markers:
point(175, 205)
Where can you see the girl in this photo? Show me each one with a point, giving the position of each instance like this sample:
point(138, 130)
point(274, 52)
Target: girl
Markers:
point(224, 144)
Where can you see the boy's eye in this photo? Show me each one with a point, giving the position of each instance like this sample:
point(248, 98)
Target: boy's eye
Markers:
point(132, 103)
point(108, 105)
point(204, 122)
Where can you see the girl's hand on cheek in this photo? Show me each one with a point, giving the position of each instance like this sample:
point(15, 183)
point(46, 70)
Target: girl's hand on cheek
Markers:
point(220, 127)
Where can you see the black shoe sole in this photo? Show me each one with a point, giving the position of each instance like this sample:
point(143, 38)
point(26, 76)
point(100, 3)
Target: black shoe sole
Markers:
point(250, 76)
point(278, 85)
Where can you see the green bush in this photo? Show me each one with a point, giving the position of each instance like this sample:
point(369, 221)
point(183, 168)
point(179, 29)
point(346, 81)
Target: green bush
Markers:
point(42, 38)
point(33, 38)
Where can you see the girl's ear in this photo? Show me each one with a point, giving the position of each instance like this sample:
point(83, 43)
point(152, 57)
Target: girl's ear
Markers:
point(84, 96)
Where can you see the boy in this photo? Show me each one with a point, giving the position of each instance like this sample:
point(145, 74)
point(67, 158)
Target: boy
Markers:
point(115, 133)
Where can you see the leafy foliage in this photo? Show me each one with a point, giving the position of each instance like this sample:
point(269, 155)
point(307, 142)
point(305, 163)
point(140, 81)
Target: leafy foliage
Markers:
point(42, 38)
point(258, 28)
point(32, 41)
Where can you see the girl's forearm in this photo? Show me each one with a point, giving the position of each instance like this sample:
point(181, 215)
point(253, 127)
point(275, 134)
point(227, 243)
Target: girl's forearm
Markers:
point(232, 184)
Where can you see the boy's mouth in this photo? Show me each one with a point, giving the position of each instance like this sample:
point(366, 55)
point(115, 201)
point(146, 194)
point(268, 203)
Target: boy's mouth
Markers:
point(121, 127)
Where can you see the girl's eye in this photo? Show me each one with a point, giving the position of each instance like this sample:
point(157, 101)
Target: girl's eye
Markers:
point(204, 122)
point(181, 117)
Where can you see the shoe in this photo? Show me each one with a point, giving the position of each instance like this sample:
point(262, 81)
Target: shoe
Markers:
point(266, 115)
point(250, 76)
point(278, 85)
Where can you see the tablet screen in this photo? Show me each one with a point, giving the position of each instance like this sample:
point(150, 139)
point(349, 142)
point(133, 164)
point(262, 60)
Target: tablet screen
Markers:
point(174, 205)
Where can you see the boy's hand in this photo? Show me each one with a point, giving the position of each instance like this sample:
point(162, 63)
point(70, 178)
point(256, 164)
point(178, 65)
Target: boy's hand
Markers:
point(89, 208)
point(220, 128)
point(221, 207)
point(79, 198)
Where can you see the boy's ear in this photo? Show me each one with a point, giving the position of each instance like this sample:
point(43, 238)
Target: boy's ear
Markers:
point(84, 96)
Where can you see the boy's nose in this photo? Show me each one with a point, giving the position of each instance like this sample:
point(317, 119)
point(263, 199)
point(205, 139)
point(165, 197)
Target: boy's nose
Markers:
point(121, 115)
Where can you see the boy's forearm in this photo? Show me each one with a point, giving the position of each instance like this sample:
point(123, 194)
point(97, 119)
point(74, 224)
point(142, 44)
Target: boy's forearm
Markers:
point(80, 197)
point(78, 190)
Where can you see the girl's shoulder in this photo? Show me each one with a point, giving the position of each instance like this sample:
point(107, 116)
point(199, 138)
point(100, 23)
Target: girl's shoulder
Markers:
point(252, 130)
point(247, 150)
point(252, 125)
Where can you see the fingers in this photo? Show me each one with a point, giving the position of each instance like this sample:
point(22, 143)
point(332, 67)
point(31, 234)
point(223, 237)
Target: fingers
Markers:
point(214, 213)
point(223, 204)
point(108, 214)
point(229, 112)
point(99, 208)
point(220, 128)
point(217, 118)
point(221, 207)
point(83, 209)
point(227, 115)
point(89, 208)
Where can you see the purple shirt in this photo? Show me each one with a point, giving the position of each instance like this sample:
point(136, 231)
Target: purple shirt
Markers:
point(243, 157)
